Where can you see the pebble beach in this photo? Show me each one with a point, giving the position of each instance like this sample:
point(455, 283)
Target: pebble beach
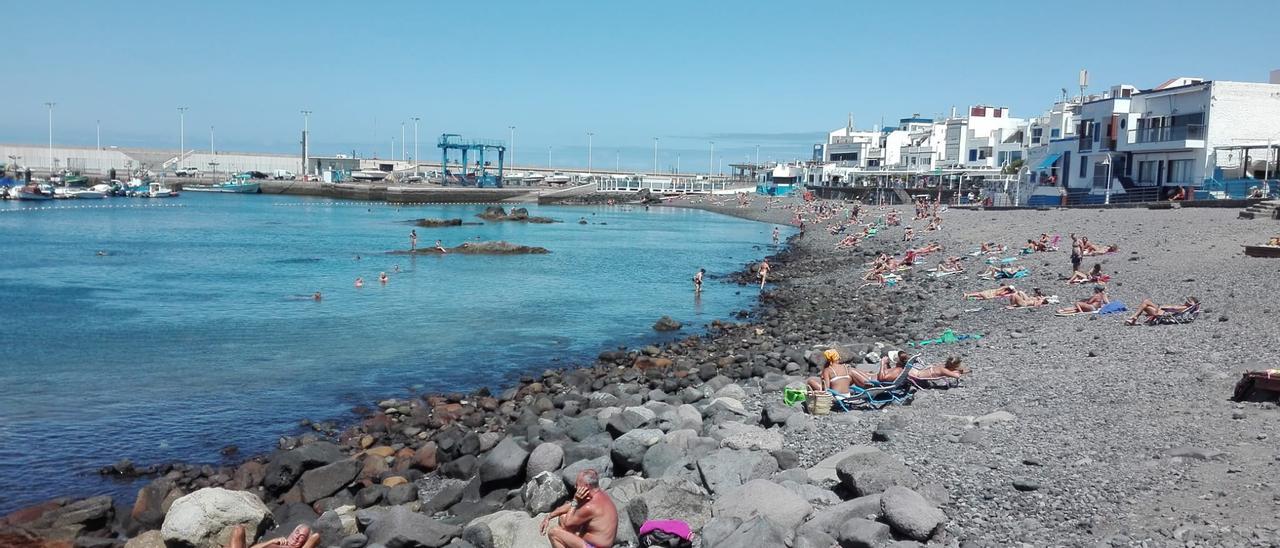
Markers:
point(1067, 431)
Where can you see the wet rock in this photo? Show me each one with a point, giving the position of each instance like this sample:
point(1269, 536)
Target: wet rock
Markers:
point(666, 324)
point(286, 467)
point(205, 518)
point(326, 480)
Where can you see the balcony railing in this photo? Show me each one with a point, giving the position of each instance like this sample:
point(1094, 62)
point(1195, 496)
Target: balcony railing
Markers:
point(1192, 132)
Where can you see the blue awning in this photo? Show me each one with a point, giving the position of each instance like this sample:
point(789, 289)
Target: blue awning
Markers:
point(1050, 160)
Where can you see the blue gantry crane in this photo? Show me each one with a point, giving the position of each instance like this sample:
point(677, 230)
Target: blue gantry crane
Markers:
point(479, 176)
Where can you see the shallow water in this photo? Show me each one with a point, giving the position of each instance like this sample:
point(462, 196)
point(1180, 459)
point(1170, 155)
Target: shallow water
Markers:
point(196, 329)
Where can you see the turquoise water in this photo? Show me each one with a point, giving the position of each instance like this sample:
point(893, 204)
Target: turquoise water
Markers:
point(196, 330)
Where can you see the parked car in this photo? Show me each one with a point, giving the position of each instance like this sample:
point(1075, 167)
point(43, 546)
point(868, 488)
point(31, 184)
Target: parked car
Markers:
point(257, 175)
point(283, 174)
point(187, 172)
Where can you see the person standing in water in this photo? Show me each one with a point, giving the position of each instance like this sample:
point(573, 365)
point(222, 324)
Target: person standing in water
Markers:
point(413, 240)
point(776, 235)
point(382, 278)
point(764, 272)
point(697, 280)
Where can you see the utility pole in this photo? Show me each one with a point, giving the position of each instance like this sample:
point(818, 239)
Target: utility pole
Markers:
point(617, 161)
point(306, 140)
point(711, 169)
point(677, 163)
point(98, 126)
point(50, 106)
point(182, 135)
point(401, 141)
point(416, 163)
point(655, 155)
point(590, 136)
point(548, 156)
point(757, 155)
point(513, 145)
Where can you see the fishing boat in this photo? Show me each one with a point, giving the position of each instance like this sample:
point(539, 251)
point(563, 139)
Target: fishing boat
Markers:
point(78, 193)
point(557, 178)
point(35, 192)
point(240, 184)
point(156, 190)
point(369, 175)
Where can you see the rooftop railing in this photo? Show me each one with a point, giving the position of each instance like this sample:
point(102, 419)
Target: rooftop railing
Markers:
point(1167, 134)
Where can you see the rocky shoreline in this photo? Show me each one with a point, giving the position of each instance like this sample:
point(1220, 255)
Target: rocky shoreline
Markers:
point(1051, 441)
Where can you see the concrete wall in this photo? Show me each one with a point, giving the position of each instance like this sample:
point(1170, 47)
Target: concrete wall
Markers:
point(97, 162)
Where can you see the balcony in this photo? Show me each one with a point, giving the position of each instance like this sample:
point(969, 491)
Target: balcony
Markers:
point(1165, 138)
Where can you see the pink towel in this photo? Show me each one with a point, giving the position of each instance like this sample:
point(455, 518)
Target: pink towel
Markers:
point(672, 526)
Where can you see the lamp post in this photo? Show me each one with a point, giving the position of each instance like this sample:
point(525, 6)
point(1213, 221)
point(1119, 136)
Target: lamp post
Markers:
point(97, 124)
point(416, 163)
point(712, 167)
point(50, 106)
point(182, 135)
point(655, 155)
point(617, 161)
point(590, 137)
point(548, 156)
point(513, 145)
point(401, 141)
point(306, 140)
point(1107, 162)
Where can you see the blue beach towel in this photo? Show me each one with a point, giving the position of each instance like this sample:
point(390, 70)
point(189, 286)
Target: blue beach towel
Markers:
point(1113, 307)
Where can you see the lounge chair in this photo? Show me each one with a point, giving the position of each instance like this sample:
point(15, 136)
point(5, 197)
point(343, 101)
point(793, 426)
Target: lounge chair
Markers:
point(1186, 315)
point(877, 395)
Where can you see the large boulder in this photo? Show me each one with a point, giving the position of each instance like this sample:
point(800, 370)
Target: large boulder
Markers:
point(505, 529)
point(149, 539)
point(828, 520)
point(603, 465)
point(735, 435)
point(671, 499)
point(286, 467)
point(630, 419)
point(724, 469)
point(148, 509)
point(862, 533)
point(400, 527)
point(909, 514)
point(629, 449)
point(543, 493)
point(824, 471)
point(326, 480)
point(57, 522)
point(546, 457)
point(662, 457)
point(205, 518)
point(872, 472)
point(764, 498)
point(504, 463)
point(757, 531)
point(336, 524)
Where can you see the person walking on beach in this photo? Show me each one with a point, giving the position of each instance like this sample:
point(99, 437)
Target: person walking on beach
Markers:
point(764, 272)
point(413, 240)
point(1077, 253)
point(775, 235)
point(697, 280)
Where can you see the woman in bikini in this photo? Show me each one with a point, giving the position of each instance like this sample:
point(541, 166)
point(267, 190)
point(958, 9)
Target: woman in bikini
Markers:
point(838, 377)
point(989, 294)
point(1092, 304)
point(1095, 275)
point(950, 368)
point(1022, 300)
point(1153, 310)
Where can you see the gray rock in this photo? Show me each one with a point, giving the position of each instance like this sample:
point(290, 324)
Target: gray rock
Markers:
point(745, 436)
point(335, 526)
point(400, 527)
point(505, 529)
point(731, 391)
point(326, 480)
point(812, 493)
point(1025, 484)
point(630, 419)
point(767, 499)
point(829, 520)
point(993, 418)
point(402, 494)
point(825, 470)
point(371, 495)
point(286, 467)
point(725, 469)
point(776, 413)
point(671, 499)
point(661, 457)
point(504, 463)
point(861, 533)
point(719, 529)
point(543, 493)
point(603, 465)
point(70, 521)
point(754, 532)
point(909, 514)
point(629, 449)
point(813, 539)
point(581, 428)
point(872, 472)
point(546, 457)
point(358, 540)
point(1198, 453)
point(449, 493)
point(728, 405)
point(205, 518)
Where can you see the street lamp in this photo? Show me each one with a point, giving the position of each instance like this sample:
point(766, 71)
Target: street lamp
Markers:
point(416, 163)
point(590, 137)
point(1107, 162)
point(513, 145)
point(548, 156)
point(182, 135)
point(712, 168)
point(50, 106)
point(655, 155)
point(306, 140)
point(401, 142)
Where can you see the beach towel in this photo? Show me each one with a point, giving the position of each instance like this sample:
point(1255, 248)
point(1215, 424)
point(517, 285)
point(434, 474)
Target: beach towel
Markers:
point(947, 337)
point(1113, 307)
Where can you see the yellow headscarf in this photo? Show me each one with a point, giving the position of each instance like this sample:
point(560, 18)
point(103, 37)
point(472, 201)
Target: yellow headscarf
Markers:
point(831, 355)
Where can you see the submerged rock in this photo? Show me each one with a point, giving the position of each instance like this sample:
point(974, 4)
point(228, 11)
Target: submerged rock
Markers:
point(478, 248)
point(432, 223)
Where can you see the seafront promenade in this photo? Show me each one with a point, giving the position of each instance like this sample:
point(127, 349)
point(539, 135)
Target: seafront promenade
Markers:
point(1066, 431)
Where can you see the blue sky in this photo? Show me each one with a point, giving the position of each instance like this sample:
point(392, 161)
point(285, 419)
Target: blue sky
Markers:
point(774, 74)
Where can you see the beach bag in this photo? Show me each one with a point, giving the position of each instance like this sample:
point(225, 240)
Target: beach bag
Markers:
point(819, 402)
point(666, 534)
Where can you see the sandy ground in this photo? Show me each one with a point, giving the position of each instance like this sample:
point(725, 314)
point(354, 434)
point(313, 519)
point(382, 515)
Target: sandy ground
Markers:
point(1127, 434)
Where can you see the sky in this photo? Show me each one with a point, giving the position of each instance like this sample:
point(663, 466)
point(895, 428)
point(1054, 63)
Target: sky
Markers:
point(777, 75)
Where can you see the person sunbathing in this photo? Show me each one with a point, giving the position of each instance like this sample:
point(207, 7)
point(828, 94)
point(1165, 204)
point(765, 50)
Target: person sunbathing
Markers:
point(951, 368)
point(989, 294)
point(1092, 304)
point(301, 537)
point(992, 247)
point(929, 248)
point(1095, 275)
point(891, 365)
point(838, 377)
point(1274, 241)
point(951, 264)
point(910, 258)
point(1153, 310)
point(1092, 249)
point(1021, 299)
point(994, 272)
point(1034, 245)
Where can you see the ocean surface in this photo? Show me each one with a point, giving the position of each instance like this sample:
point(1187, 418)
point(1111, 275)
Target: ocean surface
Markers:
point(196, 329)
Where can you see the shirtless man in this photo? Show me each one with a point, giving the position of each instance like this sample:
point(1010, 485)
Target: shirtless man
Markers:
point(764, 272)
point(590, 520)
point(697, 280)
point(1092, 304)
point(776, 235)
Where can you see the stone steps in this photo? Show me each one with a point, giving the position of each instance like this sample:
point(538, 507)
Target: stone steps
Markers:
point(1262, 210)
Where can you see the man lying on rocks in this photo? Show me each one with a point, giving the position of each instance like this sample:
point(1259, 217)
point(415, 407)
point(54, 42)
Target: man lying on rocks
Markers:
point(590, 520)
point(301, 537)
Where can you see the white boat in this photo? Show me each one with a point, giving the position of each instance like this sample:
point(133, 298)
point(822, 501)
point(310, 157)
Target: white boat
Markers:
point(156, 190)
point(35, 192)
point(86, 194)
point(532, 178)
point(369, 175)
point(557, 178)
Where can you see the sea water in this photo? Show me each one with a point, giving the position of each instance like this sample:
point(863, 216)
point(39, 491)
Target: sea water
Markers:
point(164, 330)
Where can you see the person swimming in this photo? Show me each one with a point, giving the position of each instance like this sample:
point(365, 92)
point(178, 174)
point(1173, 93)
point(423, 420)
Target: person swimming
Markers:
point(359, 282)
point(382, 278)
point(317, 297)
point(395, 268)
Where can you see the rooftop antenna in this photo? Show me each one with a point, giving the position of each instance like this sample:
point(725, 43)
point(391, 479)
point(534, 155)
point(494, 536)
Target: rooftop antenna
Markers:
point(1084, 83)
point(849, 128)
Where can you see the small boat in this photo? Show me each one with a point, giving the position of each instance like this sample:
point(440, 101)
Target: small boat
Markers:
point(240, 184)
point(1268, 251)
point(557, 178)
point(86, 194)
point(369, 175)
point(35, 192)
point(156, 190)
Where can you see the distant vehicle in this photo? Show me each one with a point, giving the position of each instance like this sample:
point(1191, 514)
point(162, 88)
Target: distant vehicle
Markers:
point(187, 172)
point(283, 175)
point(256, 175)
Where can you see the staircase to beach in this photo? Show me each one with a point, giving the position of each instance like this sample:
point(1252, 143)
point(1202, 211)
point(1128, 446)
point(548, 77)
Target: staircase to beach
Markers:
point(902, 196)
point(1262, 210)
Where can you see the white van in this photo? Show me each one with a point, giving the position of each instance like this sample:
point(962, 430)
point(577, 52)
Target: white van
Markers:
point(283, 174)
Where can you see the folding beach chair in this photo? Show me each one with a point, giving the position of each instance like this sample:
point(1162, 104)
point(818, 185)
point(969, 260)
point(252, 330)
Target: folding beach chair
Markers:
point(1186, 315)
point(877, 395)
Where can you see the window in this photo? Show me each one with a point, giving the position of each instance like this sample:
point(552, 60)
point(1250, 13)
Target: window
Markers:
point(1147, 173)
point(1055, 133)
point(1100, 175)
point(1084, 163)
point(973, 155)
point(1180, 171)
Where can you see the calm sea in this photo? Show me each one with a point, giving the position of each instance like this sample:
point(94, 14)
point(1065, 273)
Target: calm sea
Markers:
point(196, 329)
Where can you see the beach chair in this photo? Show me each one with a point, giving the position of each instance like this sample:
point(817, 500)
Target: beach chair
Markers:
point(878, 395)
point(1186, 315)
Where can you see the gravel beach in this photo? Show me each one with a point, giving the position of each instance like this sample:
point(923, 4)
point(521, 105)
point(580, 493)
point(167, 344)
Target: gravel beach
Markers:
point(1068, 431)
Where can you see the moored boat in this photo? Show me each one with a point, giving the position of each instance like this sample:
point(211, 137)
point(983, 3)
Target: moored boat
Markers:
point(240, 184)
point(35, 192)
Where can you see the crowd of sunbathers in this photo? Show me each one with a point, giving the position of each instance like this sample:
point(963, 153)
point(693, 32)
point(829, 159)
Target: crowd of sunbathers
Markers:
point(841, 378)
